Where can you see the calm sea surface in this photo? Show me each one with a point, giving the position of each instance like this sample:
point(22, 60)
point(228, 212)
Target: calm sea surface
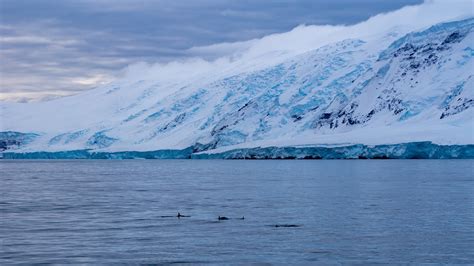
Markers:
point(393, 211)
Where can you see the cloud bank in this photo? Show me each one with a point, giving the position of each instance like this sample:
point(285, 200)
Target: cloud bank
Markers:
point(64, 59)
point(219, 60)
point(53, 48)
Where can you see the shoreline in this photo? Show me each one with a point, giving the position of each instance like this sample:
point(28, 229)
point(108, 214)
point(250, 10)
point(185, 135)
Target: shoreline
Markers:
point(410, 150)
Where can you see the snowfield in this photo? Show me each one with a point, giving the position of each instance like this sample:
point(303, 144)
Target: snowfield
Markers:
point(398, 78)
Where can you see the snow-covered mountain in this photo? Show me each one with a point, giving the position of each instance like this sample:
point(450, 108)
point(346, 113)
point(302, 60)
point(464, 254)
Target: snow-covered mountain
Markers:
point(398, 85)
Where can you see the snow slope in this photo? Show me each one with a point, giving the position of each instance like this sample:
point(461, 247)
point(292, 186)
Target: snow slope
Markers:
point(408, 81)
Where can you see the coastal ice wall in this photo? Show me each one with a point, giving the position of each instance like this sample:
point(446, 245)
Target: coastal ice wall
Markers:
point(415, 150)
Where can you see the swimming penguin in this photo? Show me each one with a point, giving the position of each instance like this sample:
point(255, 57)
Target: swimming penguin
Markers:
point(180, 215)
point(222, 218)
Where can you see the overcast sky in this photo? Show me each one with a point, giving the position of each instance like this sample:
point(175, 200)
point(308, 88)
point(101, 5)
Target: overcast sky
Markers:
point(64, 46)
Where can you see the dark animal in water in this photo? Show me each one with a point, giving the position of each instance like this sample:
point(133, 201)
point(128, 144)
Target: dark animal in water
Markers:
point(222, 218)
point(182, 216)
point(287, 225)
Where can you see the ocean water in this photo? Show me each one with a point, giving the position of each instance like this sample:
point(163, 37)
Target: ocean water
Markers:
point(355, 211)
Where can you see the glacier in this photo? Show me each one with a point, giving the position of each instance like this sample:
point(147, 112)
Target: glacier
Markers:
point(413, 150)
point(406, 91)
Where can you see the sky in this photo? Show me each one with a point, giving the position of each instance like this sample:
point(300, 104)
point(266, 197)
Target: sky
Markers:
point(61, 47)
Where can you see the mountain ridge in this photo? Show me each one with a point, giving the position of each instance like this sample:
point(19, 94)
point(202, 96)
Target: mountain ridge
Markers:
point(417, 87)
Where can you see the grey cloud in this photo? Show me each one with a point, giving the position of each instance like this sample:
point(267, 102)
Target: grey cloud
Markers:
point(48, 45)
